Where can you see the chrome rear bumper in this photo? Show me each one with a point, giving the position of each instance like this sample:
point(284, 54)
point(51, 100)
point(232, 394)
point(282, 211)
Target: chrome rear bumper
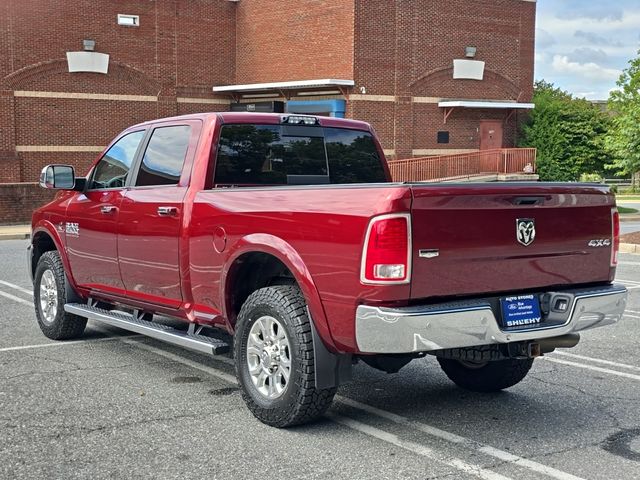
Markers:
point(473, 323)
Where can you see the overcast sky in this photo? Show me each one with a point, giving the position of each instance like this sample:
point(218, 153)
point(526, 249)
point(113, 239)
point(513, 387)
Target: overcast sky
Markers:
point(583, 45)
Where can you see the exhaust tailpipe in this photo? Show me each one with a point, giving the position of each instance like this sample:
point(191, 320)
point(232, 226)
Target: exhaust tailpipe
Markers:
point(548, 345)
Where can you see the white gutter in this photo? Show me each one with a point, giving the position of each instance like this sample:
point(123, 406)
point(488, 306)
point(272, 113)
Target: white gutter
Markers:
point(484, 104)
point(296, 84)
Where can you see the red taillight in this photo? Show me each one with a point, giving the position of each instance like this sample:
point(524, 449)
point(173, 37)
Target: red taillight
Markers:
point(615, 233)
point(387, 250)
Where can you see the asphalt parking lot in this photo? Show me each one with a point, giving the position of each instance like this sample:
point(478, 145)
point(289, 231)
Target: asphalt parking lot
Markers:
point(113, 405)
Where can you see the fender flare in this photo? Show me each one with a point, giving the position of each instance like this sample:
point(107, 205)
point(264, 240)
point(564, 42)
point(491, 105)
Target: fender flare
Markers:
point(331, 367)
point(283, 251)
point(47, 228)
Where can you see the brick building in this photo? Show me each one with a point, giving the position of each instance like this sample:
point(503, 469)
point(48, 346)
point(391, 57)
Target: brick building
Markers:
point(432, 76)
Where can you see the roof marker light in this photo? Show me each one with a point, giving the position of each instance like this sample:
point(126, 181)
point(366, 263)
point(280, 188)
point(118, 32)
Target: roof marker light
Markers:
point(298, 120)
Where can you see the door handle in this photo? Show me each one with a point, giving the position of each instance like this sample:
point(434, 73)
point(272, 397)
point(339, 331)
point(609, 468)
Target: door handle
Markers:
point(167, 211)
point(107, 209)
point(528, 201)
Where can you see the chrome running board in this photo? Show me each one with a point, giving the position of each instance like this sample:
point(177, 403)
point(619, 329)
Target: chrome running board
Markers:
point(192, 341)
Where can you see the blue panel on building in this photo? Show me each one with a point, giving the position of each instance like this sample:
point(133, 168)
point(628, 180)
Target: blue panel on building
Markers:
point(333, 108)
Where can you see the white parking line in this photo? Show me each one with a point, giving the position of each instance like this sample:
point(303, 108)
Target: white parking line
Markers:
point(597, 360)
point(17, 287)
point(185, 361)
point(457, 439)
point(631, 316)
point(629, 263)
point(64, 343)
point(630, 284)
point(416, 448)
point(425, 428)
point(15, 299)
point(353, 424)
point(595, 369)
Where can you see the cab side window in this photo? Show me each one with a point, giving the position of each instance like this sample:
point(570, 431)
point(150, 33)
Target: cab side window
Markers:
point(164, 156)
point(113, 168)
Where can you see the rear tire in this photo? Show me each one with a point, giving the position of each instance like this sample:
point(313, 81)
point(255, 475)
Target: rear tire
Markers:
point(274, 360)
point(487, 376)
point(49, 295)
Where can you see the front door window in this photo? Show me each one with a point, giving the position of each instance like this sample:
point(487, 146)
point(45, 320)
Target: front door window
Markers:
point(113, 168)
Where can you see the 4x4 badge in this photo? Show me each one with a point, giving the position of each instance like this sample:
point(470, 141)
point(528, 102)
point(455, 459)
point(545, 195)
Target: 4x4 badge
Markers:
point(525, 231)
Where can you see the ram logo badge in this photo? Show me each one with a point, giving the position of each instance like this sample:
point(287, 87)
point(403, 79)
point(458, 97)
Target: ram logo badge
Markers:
point(525, 231)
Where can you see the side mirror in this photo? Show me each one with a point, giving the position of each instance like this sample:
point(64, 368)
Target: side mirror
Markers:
point(58, 177)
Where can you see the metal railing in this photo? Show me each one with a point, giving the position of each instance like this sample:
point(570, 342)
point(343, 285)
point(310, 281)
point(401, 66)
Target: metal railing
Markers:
point(464, 165)
point(621, 182)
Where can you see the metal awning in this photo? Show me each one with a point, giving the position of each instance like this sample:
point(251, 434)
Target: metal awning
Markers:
point(286, 88)
point(449, 105)
point(483, 104)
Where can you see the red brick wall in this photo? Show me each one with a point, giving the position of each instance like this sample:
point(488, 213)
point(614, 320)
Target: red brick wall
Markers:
point(55, 121)
point(19, 200)
point(186, 108)
point(31, 163)
point(280, 40)
point(462, 125)
point(403, 47)
point(173, 44)
point(182, 48)
point(379, 114)
point(206, 43)
point(406, 49)
point(9, 161)
point(375, 46)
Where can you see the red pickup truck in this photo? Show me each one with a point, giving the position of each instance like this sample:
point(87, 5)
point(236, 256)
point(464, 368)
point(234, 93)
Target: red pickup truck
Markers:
point(286, 232)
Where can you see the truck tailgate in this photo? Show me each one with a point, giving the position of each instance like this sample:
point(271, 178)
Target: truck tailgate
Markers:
point(465, 238)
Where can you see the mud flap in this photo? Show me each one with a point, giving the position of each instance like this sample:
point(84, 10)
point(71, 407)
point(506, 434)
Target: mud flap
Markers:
point(71, 295)
point(331, 370)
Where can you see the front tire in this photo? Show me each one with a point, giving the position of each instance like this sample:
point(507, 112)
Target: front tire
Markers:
point(49, 295)
point(274, 361)
point(486, 376)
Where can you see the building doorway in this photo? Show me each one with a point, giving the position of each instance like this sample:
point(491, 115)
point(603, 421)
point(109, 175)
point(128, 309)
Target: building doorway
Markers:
point(490, 134)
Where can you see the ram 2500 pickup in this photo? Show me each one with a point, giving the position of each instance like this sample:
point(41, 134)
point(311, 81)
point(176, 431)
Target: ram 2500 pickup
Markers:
point(286, 232)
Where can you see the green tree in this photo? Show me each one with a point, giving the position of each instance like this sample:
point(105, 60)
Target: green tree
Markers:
point(569, 134)
point(624, 138)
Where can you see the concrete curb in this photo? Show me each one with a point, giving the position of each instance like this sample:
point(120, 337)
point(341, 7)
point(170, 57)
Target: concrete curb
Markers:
point(14, 236)
point(15, 232)
point(629, 218)
point(629, 248)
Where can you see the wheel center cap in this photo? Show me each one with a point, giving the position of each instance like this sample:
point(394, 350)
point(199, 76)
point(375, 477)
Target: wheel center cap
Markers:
point(269, 356)
point(266, 358)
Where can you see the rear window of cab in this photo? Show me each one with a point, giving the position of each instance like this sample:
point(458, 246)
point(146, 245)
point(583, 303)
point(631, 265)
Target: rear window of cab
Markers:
point(251, 155)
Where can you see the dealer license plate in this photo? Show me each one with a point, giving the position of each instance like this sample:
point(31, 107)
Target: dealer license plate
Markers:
point(520, 310)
